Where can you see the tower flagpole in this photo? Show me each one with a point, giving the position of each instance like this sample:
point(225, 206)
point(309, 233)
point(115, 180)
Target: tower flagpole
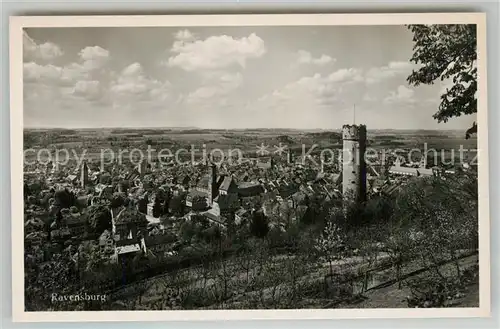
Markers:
point(354, 115)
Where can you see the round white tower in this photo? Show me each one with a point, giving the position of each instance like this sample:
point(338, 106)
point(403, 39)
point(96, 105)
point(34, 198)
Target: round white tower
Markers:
point(353, 162)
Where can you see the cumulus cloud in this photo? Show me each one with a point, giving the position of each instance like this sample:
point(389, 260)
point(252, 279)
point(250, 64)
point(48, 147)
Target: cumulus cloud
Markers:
point(90, 53)
point(132, 84)
point(52, 74)
point(313, 84)
point(215, 52)
point(401, 95)
point(87, 89)
point(346, 75)
point(133, 70)
point(33, 51)
point(231, 81)
point(215, 62)
point(33, 72)
point(305, 102)
point(393, 69)
point(184, 35)
point(305, 57)
point(313, 91)
point(94, 57)
point(219, 86)
point(74, 72)
point(313, 101)
point(131, 81)
point(65, 86)
point(91, 59)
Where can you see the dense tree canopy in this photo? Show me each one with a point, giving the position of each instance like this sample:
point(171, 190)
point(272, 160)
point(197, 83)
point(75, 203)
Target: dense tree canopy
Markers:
point(448, 53)
point(177, 205)
point(118, 199)
point(64, 198)
point(99, 218)
point(259, 226)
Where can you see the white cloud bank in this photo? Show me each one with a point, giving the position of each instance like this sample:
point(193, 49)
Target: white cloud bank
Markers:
point(215, 52)
point(45, 51)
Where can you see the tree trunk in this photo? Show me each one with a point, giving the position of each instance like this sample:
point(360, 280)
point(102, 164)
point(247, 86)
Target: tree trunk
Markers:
point(398, 274)
point(456, 261)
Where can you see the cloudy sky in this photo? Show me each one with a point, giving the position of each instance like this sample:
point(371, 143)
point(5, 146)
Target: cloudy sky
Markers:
point(226, 77)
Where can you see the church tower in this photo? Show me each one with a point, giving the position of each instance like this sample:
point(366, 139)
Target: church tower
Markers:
point(212, 183)
point(84, 175)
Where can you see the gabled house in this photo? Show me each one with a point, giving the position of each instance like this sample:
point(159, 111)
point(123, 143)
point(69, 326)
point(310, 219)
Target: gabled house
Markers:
point(250, 189)
point(73, 179)
point(159, 243)
point(128, 223)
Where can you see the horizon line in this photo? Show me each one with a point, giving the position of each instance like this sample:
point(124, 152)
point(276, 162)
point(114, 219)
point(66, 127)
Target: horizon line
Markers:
point(202, 128)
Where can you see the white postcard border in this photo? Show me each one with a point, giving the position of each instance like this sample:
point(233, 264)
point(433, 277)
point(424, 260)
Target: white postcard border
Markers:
point(17, 23)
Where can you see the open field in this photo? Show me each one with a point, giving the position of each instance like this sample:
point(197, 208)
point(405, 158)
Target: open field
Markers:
point(97, 141)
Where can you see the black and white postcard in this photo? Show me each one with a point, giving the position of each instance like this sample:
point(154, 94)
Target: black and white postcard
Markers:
point(249, 167)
